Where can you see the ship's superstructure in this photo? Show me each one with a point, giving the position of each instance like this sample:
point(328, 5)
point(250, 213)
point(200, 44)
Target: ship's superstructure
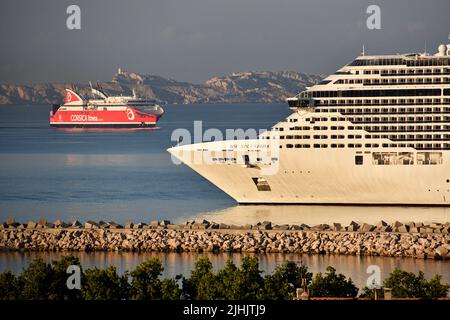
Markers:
point(377, 131)
point(105, 111)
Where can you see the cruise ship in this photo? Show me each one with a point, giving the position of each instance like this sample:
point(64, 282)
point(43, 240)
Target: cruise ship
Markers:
point(376, 132)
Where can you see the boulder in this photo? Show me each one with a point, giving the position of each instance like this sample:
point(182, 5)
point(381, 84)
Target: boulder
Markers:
point(11, 222)
point(59, 224)
point(281, 227)
point(366, 227)
point(154, 223)
point(76, 224)
point(396, 224)
point(129, 225)
point(91, 225)
point(31, 224)
point(265, 225)
point(164, 222)
point(114, 225)
point(336, 227)
point(382, 223)
point(441, 252)
point(224, 226)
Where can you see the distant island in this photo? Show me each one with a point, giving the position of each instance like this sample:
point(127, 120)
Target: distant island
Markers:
point(239, 87)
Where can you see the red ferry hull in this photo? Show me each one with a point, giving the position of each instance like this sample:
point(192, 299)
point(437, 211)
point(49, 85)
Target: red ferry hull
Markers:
point(122, 118)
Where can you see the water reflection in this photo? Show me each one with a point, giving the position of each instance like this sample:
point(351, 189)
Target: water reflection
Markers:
point(182, 263)
point(316, 214)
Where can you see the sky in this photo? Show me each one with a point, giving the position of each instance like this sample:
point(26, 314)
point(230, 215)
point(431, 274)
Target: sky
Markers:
point(194, 40)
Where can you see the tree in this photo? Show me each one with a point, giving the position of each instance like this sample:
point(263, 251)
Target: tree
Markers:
point(102, 284)
point(276, 288)
point(250, 283)
point(145, 282)
point(405, 284)
point(332, 285)
point(58, 289)
point(9, 286)
point(226, 281)
point(35, 280)
point(285, 279)
point(170, 290)
point(202, 283)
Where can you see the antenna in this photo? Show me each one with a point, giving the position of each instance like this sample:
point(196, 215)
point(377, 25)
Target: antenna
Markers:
point(363, 51)
point(425, 47)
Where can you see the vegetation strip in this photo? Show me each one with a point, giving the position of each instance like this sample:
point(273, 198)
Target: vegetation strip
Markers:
point(42, 281)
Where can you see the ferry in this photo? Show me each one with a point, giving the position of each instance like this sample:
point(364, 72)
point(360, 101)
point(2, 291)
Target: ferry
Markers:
point(104, 111)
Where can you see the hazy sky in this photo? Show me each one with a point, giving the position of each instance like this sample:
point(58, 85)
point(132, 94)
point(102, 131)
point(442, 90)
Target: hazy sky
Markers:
point(193, 40)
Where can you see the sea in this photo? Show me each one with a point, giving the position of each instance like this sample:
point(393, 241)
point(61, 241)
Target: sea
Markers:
point(126, 175)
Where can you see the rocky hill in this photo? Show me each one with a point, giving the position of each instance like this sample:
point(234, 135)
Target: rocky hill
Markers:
point(240, 87)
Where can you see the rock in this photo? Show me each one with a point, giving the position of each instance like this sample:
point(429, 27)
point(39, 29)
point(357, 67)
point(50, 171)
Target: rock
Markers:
point(403, 229)
point(59, 224)
point(281, 227)
point(154, 223)
point(366, 227)
point(336, 227)
point(164, 222)
point(441, 252)
point(76, 224)
point(129, 225)
point(139, 225)
point(11, 222)
point(382, 223)
point(31, 224)
point(265, 225)
point(91, 225)
point(396, 224)
point(114, 225)
point(224, 226)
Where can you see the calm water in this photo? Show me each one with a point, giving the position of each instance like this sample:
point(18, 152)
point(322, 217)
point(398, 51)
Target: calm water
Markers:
point(126, 175)
point(182, 263)
point(110, 174)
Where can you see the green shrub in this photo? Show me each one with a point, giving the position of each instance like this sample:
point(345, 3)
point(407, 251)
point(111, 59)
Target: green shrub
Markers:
point(35, 280)
point(102, 284)
point(10, 288)
point(285, 279)
point(405, 284)
point(332, 285)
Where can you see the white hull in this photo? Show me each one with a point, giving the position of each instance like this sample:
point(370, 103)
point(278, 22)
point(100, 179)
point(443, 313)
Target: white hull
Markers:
point(325, 176)
point(375, 132)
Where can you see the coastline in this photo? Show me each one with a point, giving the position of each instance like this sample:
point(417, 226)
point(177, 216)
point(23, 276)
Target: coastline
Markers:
point(390, 240)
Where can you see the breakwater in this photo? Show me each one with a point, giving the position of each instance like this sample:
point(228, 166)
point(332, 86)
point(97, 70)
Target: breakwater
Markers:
point(396, 239)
